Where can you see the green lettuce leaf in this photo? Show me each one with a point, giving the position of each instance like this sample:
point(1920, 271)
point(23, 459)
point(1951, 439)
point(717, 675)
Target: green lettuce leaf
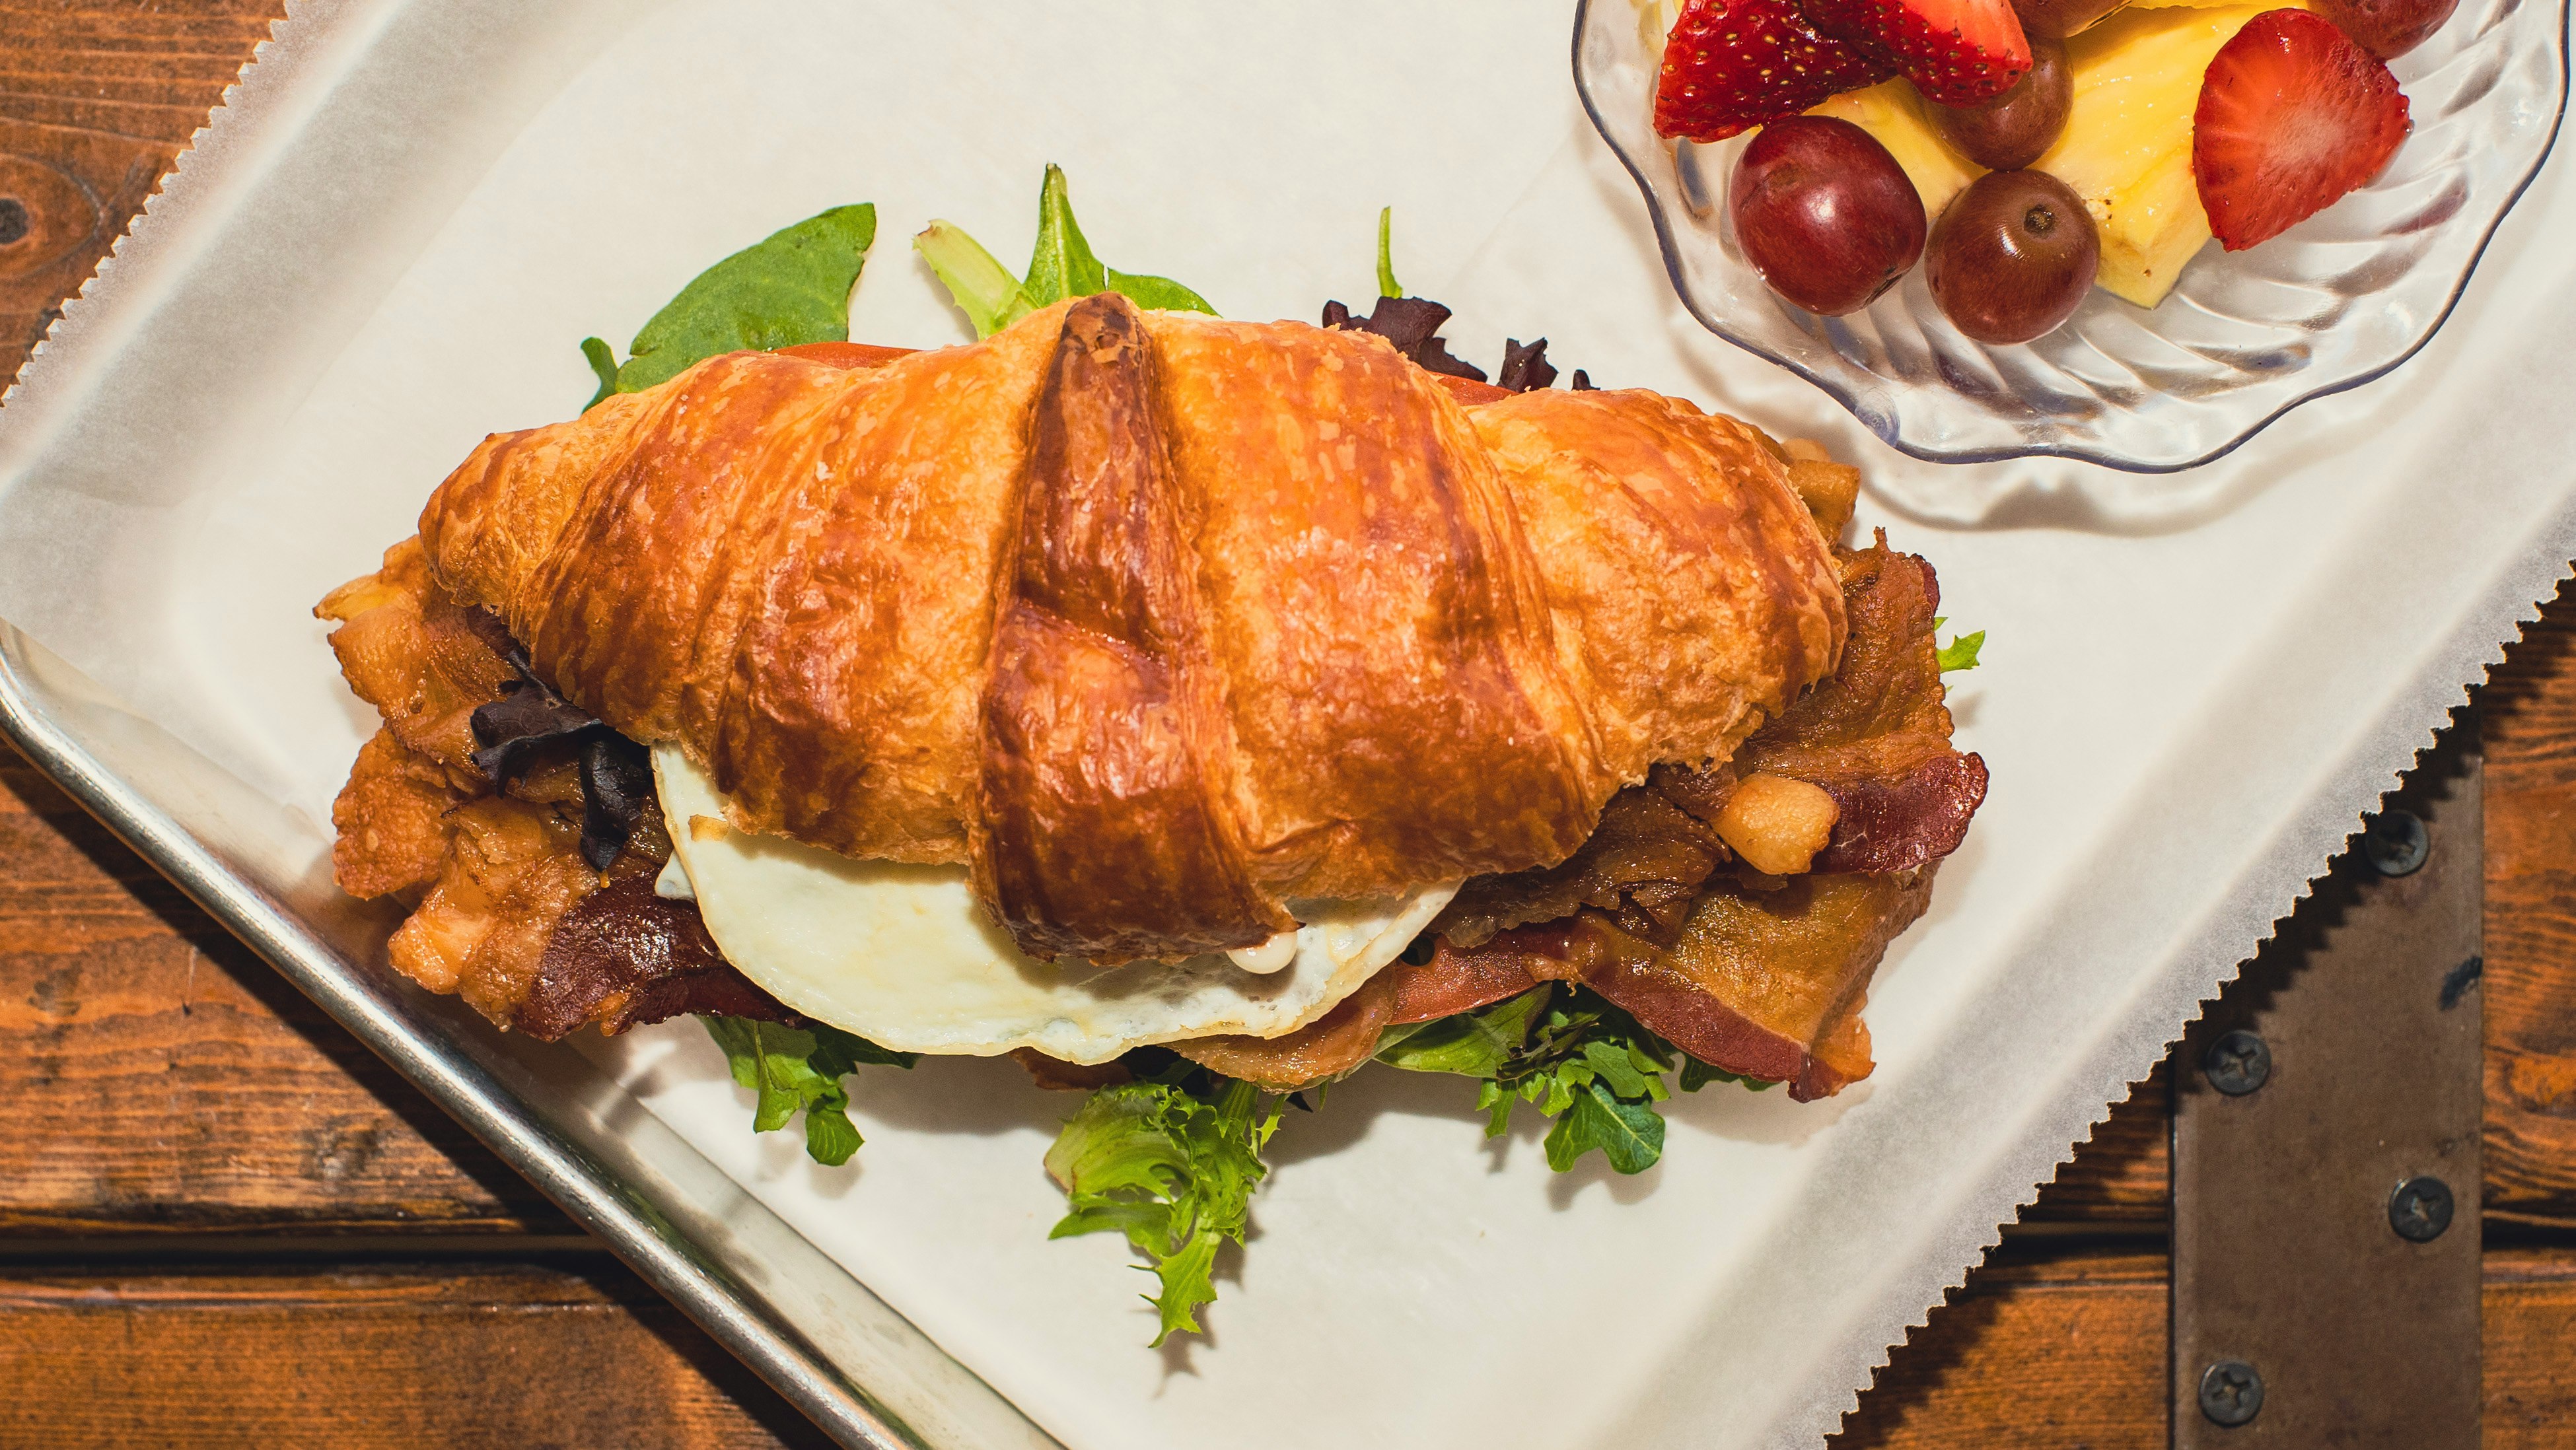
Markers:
point(799, 1070)
point(1628, 1132)
point(1961, 653)
point(1172, 1169)
point(793, 287)
point(1387, 286)
point(603, 364)
point(1697, 1074)
point(976, 282)
point(1575, 1057)
point(1470, 1044)
point(1061, 265)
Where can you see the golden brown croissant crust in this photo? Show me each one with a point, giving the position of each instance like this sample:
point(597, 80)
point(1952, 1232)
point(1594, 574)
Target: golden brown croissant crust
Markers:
point(1153, 620)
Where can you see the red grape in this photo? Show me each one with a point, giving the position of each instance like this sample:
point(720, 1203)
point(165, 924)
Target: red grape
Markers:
point(2387, 28)
point(2012, 130)
point(2012, 257)
point(1825, 214)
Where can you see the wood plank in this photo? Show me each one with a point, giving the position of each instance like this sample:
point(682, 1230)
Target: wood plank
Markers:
point(2119, 1177)
point(391, 1356)
point(160, 1078)
point(2070, 1351)
point(2063, 1352)
point(2529, 1344)
point(2530, 981)
point(95, 107)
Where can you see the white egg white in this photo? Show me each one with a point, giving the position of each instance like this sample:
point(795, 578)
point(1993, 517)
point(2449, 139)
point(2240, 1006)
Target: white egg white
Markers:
point(903, 955)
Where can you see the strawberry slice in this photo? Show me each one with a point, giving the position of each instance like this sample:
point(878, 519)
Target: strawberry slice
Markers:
point(2292, 115)
point(1731, 65)
point(1957, 52)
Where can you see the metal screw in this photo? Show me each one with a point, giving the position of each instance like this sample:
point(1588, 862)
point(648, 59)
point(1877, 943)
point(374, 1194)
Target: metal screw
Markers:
point(2395, 841)
point(2420, 1209)
point(2231, 1393)
point(2237, 1063)
point(13, 219)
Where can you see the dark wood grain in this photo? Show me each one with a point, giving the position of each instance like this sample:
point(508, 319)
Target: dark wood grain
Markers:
point(157, 1078)
point(96, 103)
point(2118, 1179)
point(2069, 1351)
point(502, 1355)
point(2530, 982)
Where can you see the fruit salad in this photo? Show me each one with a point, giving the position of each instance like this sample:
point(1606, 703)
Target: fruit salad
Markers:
point(2023, 152)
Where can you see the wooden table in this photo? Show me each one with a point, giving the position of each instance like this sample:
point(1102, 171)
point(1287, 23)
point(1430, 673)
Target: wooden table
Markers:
point(223, 1222)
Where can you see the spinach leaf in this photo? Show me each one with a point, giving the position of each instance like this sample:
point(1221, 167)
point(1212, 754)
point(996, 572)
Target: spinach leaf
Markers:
point(976, 282)
point(793, 287)
point(1061, 265)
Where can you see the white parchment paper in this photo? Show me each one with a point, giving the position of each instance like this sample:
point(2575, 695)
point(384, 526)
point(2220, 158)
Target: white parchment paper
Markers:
point(2184, 704)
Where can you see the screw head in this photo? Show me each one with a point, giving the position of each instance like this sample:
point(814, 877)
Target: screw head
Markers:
point(2231, 1393)
point(2395, 842)
point(2420, 1209)
point(2237, 1063)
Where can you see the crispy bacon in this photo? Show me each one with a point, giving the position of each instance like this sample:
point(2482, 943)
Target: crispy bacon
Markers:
point(392, 820)
point(1757, 975)
point(1344, 1038)
point(509, 913)
point(1876, 735)
point(1763, 983)
point(1910, 821)
point(1644, 862)
point(623, 955)
point(422, 659)
point(1326, 1048)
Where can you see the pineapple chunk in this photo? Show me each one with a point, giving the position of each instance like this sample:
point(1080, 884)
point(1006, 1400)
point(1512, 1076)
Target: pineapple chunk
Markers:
point(2127, 145)
point(1892, 112)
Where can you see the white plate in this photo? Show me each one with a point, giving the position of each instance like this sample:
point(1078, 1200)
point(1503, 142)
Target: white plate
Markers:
point(389, 245)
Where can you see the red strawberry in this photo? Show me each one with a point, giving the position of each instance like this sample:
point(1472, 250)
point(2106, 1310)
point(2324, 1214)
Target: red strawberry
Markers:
point(2292, 115)
point(1730, 65)
point(1957, 52)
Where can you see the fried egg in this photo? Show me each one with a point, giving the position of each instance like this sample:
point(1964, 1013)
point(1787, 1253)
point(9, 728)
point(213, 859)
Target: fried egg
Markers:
point(905, 957)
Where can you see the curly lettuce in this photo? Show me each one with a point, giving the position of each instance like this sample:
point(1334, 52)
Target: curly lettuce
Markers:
point(1171, 1165)
point(1961, 652)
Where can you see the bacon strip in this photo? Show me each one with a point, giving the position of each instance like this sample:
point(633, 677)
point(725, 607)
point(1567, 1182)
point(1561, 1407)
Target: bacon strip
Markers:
point(1876, 735)
point(1749, 974)
point(1914, 820)
point(623, 955)
point(1763, 983)
point(508, 913)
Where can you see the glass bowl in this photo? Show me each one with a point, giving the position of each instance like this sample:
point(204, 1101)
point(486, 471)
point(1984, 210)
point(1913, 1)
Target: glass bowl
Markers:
point(2245, 337)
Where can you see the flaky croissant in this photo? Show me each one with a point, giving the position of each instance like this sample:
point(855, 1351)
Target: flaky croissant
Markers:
point(1154, 621)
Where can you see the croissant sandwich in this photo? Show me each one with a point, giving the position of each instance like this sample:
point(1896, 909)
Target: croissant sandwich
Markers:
point(1136, 679)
